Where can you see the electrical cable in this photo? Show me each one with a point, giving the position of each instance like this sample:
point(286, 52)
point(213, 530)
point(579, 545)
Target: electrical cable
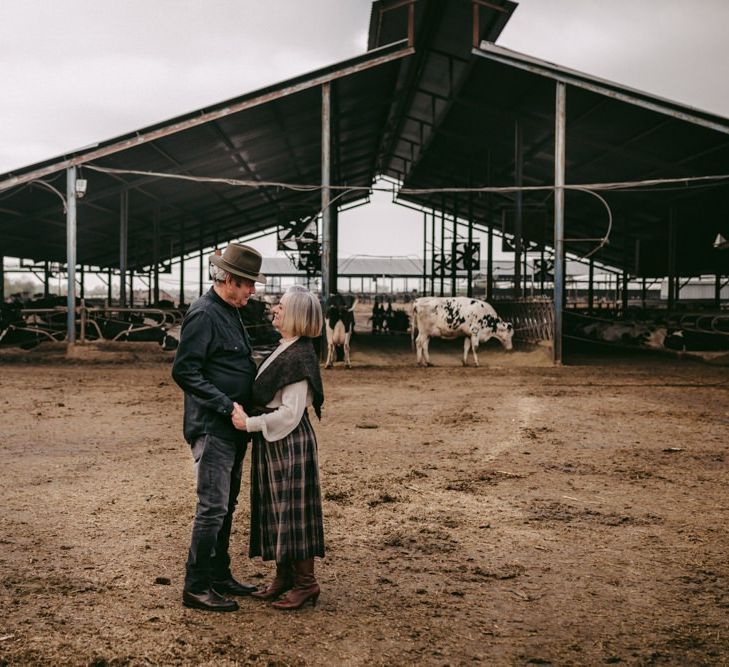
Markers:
point(308, 187)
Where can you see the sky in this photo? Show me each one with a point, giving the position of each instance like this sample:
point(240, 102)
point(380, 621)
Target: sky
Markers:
point(80, 71)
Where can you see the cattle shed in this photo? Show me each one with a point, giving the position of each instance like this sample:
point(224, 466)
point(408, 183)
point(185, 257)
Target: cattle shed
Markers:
point(473, 135)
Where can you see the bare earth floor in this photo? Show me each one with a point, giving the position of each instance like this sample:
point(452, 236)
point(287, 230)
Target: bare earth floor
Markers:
point(516, 513)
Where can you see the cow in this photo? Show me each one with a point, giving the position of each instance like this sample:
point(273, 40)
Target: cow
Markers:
point(339, 327)
point(453, 317)
point(633, 334)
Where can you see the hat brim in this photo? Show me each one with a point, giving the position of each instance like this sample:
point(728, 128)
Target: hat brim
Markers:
point(234, 270)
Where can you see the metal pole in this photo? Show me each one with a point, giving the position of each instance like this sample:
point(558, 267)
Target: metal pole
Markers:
point(123, 233)
point(182, 265)
point(46, 280)
point(2, 279)
point(81, 281)
point(542, 272)
point(591, 287)
point(432, 254)
point(442, 243)
point(329, 212)
point(489, 236)
point(155, 252)
point(671, 258)
point(202, 267)
point(425, 250)
point(518, 220)
point(490, 264)
point(469, 266)
point(454, 244)
point(624, 292)
point(71, 254)
point(109, 294)
point(560, 131)
point(717, 290)
point(131, 288)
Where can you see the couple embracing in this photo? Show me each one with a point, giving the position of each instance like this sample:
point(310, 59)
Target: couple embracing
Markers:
point(229, 403)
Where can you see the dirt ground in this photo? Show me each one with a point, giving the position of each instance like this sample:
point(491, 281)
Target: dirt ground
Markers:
point(512, 514)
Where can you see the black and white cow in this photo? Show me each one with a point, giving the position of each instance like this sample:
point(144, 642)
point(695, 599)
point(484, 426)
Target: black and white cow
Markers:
point(339, 327)
point(454, 317)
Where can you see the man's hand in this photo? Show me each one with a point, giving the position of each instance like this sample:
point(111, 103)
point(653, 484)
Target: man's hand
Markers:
point(239, 417)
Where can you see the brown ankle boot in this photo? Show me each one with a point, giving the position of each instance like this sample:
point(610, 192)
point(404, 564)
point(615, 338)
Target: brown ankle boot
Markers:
point(305, 587)
point(283, 581)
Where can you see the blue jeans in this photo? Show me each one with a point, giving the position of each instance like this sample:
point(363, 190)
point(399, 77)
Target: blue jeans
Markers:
point(219, 465)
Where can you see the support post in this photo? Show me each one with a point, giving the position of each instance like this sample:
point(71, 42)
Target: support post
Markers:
point(109, 294)
point(560, 132)
point(490, 264)
point(201, 268)
point(182, 265)
point(71, 254)
point(46, 280)
point(425, 250)
point(489, 235)
point(432, 254)
point(454, 245)
point(469, 267)
point(518, 218)
point(591, 286)
point(329, 211)
point(717, 290)
point(2, 278)
point(671, 258)
point(123, 234)
point(442, 243)
point(155, 255)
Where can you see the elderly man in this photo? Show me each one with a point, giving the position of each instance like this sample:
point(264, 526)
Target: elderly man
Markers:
point(215, 368)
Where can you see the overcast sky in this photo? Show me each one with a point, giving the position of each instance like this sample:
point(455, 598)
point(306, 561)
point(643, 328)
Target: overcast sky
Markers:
point(78, 71)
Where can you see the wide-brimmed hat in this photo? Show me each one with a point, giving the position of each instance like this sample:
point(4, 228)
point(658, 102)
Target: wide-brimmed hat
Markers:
point(241, 260)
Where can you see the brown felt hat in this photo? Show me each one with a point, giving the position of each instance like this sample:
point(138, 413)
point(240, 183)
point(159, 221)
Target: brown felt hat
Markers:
point(241, 260)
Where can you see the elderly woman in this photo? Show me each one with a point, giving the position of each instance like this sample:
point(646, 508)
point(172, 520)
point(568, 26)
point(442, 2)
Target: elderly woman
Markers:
point(286, 516)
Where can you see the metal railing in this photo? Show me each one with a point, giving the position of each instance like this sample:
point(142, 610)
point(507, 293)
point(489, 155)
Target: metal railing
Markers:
point(51, 322)
point(533, 320)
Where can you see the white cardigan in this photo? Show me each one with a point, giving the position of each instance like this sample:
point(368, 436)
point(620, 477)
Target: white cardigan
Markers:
point(289, 403)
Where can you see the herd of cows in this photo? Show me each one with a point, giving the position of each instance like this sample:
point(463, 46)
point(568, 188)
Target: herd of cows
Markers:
point(27, 325)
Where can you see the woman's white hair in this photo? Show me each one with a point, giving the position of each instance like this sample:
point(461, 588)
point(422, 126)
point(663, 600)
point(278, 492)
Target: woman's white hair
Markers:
point(302, 314)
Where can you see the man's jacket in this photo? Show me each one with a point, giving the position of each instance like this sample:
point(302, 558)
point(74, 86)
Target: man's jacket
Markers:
point(214, 367)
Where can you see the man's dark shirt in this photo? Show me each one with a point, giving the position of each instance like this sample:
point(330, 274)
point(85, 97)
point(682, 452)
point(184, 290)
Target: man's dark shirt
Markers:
point(214, 367)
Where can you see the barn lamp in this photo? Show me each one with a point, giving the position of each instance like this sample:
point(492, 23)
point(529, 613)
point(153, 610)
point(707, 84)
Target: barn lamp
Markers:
point(720, 243)
point(81, 185)
point(80, 190)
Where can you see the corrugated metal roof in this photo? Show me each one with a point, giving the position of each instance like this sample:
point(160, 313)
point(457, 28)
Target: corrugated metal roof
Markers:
point(614, 134)
point(273, 134)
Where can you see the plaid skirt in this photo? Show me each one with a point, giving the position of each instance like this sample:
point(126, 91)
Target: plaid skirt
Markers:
point(286, 516)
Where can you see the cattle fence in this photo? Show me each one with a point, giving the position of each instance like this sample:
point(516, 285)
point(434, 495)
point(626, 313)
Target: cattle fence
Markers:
point(533, 320)
point(112, 323)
